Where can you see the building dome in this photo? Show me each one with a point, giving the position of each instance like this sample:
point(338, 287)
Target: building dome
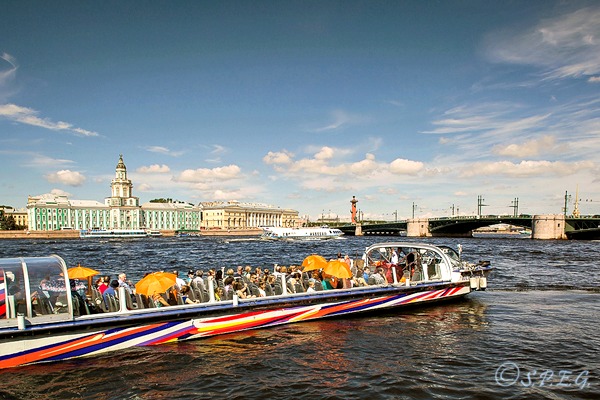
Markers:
point(121, 164)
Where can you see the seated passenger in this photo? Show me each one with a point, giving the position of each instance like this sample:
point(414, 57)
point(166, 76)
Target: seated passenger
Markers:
point(159, 301)
point(110, 291)
point(185, 290)
point(378, 278)
point(262, 292)
point(241, 289)
point(311, 286)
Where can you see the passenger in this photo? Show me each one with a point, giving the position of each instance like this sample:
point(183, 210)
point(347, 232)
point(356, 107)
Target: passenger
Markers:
point(102, 285)
point(179, 283)
point(159, 301)
point(311, 286)
point(239, 272)
point(327, 283)
point(228, 287)
point(185, 290)
point(394, 259)
point(253, 285)
point(262, 292)
point(270, 285)
point(110, 291)
point(241, 289)
point(366, 273)
point(218, 293)
point(124, 283)
point(191, 275)
point(378, 278)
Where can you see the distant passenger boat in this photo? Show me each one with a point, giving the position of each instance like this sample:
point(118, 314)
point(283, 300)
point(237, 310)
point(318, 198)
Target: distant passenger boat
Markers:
point(153, 232)
point(317, 233)
point(113, 233)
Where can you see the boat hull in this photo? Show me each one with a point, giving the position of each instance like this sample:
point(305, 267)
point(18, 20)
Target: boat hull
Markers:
point(92, 335)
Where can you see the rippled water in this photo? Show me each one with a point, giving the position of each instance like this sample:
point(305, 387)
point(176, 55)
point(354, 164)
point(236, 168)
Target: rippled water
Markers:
point(533, 334)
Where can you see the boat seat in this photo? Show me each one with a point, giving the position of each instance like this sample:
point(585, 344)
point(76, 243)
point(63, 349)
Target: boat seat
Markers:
point(277, 288)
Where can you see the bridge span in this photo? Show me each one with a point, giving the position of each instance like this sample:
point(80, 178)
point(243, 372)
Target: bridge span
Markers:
point(552, 226)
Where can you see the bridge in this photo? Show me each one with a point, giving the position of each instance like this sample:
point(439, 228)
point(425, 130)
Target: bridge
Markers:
point(554, 226)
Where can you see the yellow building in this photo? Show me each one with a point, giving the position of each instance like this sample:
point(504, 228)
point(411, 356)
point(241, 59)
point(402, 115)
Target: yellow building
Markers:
point(20, 215)
point(235, 215)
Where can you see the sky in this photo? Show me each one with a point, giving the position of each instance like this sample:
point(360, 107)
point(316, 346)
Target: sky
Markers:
point(414, 107)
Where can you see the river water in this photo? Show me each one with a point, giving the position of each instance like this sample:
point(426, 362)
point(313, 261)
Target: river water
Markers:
point(535, 333)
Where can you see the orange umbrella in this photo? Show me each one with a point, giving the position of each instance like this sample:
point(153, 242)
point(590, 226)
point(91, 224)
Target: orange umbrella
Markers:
point(313, 262)
point(338, 268)
point(80, 272)
point(157, 282)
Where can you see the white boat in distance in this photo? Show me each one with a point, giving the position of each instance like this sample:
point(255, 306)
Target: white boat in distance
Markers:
point(316, 233)
point(113, 233)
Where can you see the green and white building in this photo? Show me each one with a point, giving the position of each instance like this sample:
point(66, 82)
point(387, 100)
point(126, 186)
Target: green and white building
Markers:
point(121, 210)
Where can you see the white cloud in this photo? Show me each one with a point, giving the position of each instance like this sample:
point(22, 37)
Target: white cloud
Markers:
point(29, 116)
point(201, 175)
point(405, 167)
point(594, 79)
point(59, 192)
point(42, 161)
point(154, 169)
point(7, 73)
point(529, 148)
point(66, 177)
point(340, 119)
point(163, 150)
point(278, 157)
point(565, 46)
point(526, 169)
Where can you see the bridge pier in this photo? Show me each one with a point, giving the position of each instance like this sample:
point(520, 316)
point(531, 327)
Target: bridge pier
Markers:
point(417, 227)
point(358, 230)
point(548, 227)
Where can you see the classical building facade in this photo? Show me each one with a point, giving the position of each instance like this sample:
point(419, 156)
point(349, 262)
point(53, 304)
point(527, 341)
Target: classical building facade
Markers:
point(120, 211)
point(235, 215)
point(20, 215)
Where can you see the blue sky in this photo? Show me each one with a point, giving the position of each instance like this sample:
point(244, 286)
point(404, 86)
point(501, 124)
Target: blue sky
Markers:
point(305, 104)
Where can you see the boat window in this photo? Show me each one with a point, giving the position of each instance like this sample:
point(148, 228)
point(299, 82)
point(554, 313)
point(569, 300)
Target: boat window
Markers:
point(32, 287)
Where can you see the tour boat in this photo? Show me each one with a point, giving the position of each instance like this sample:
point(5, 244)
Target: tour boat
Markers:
point(113, 233)
point(43, 322)
point(316, 233)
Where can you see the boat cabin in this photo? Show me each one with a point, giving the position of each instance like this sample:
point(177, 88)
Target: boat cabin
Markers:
point(33, 289)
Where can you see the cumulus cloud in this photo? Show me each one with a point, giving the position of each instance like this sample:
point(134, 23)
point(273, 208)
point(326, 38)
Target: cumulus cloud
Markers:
point(324, 163)
point(565, 46)
point(278, 157)
point(29, 116)
point(154, 169)
point(529, 148)
point(66, 177)
point(59, 192)
point(201, 175)
point(405, 167)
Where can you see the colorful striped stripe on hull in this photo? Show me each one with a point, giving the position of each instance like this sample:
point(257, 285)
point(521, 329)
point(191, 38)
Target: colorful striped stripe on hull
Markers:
point(54, 348)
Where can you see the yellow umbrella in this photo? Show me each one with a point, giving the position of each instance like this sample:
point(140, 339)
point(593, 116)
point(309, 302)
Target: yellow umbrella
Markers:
point(338, 268)
point(80, 272)
point(157, 282)
point(313, 262)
